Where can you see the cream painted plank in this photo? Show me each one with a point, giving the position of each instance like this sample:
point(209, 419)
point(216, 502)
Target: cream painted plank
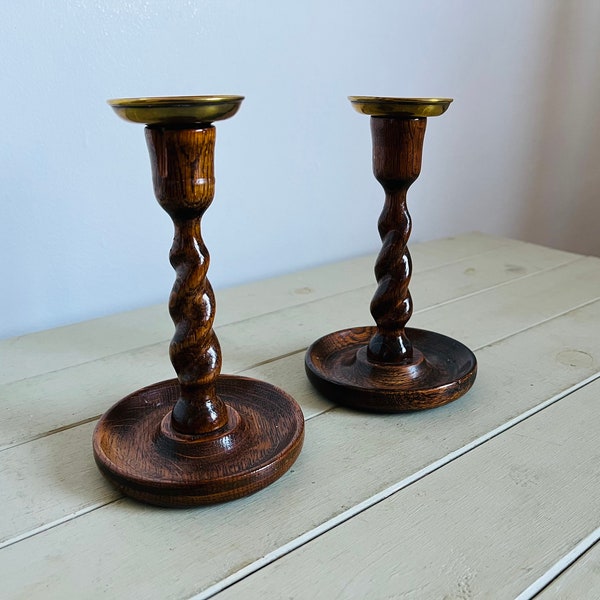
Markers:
point(428, 254)
point(73, 395)
point(477, 319)
point(486, 270)
point(43, 352)
point(348, 457)
point(581, 581)
point(486, 525)
point(516, 305)
point(59, 348)
point(46, 351)
point(50, 478)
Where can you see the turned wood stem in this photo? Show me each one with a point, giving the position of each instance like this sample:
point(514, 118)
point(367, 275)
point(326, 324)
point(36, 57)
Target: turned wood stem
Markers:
point(397, 151)
point(183, 176)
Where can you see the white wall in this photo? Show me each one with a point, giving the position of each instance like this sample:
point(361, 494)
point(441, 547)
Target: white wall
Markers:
point(81, 235)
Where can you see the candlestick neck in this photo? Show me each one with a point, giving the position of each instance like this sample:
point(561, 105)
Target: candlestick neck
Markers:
point(183, 176)
point(397, 151)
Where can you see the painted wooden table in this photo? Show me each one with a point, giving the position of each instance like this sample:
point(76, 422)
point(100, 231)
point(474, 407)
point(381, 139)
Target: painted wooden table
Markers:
point(496, 495)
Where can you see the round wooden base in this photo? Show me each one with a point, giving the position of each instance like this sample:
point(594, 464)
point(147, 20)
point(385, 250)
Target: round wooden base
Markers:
point(441, 370)
point(136, 448)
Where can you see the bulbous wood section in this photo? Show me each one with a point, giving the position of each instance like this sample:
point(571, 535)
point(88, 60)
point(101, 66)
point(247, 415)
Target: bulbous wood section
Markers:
point(203, 437)
point(392, 368)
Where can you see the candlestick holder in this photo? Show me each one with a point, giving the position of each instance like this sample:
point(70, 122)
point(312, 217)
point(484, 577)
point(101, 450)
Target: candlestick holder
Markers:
point(392, 368)
point(203, 437)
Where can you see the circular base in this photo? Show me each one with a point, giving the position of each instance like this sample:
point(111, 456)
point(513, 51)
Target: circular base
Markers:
point(441, 370)
point(136, 448)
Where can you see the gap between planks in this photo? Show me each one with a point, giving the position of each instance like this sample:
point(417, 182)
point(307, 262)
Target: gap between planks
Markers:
point(501, 243)
point(301, 350)
point(560, 566)
point(314, 533)
point(14, 350)
point(190, 592)
point(498, 285)
point(418, 311)
point(308, 536)
point(47, 526)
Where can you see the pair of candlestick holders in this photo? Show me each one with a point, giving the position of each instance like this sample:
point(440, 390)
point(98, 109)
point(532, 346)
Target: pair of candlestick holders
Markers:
point(205, 437)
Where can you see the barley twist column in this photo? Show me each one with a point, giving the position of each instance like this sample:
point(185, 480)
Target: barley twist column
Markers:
point(203, 437)
point(391, 306)
point(391, 367)
point(195, 352)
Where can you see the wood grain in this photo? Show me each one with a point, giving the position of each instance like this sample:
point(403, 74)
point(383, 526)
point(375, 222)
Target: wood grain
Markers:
point(42, 352)
point(397, 152)
point(497, 312)
point(381, 369)
point(203, 437)
point(183, 174)
point(531, 500)
point(146, 458)
point(581, 580)
point(229, 537)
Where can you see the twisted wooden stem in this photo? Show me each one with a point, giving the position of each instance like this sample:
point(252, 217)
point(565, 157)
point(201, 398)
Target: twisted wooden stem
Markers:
point(397, 151)
point(183, 175)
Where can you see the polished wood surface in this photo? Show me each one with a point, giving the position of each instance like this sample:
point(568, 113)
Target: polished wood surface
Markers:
point(203, 437)
point(147, 458)
point(355, 380)
point(184, 184)
point(397, 152)
point(389, 368)
point(496, 489)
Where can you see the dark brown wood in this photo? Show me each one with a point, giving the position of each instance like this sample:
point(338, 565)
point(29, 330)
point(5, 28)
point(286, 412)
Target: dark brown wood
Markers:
point(397, 151)
point(203, 437)
point(440, 371)
point(138, 450)
point(391, 368)
point(183, 174)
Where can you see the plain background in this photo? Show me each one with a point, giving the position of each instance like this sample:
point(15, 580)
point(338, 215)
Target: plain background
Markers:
point(81, 235)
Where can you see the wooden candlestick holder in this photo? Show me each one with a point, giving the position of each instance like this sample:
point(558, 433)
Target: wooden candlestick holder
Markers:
point(203, 437)
point(392, 368)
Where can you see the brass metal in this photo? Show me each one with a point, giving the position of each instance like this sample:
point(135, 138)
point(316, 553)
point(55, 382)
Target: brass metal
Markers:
point(176, 110)
point(376, 106)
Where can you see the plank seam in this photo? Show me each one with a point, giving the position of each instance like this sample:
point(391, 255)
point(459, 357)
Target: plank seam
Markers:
point(287, 355)
point(501, 284)
point(56, 523)
point(307, 302)
point(341, 518)
point(41, 436)
point(539, 323)
point(560, 566)
point(364, 287)
point(14, 444)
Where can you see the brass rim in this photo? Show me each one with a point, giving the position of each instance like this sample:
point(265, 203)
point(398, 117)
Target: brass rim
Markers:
point(378, 106)
point(176, 110)
point(173, 101)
